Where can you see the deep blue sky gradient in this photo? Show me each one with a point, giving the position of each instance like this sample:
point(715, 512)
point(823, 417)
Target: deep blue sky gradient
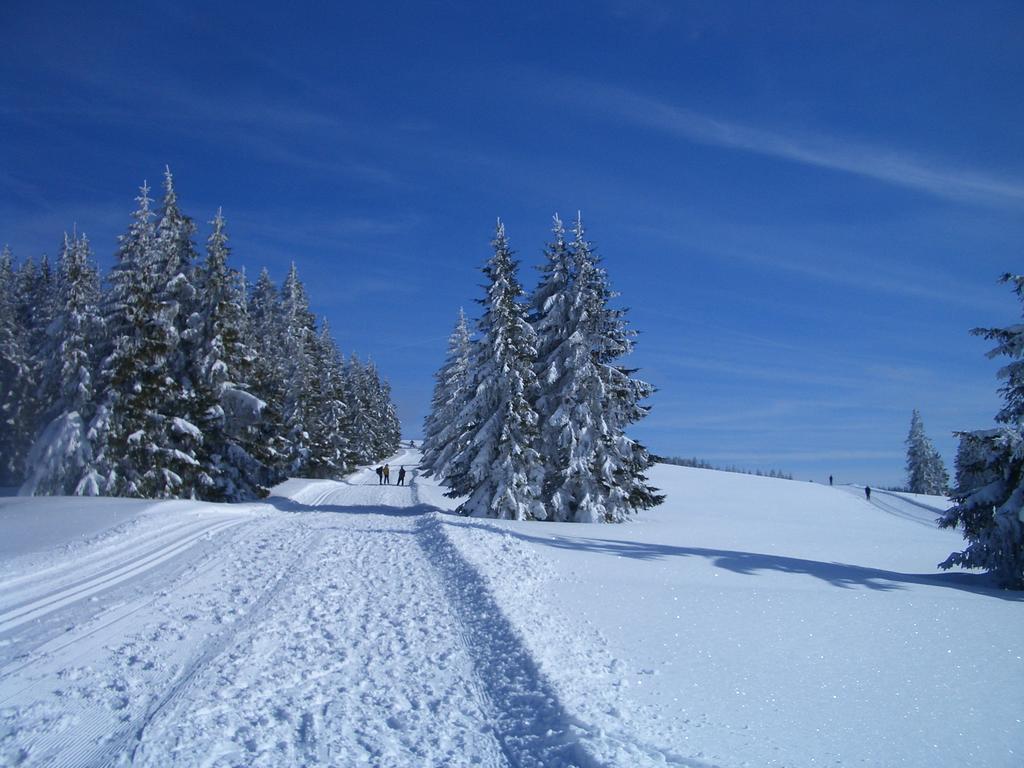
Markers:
point(805, 205)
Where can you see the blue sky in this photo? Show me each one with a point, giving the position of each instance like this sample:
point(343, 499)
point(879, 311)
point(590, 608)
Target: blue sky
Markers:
point(805, 205)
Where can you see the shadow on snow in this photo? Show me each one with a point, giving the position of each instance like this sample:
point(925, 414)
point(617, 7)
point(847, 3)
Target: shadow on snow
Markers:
point(840, 575)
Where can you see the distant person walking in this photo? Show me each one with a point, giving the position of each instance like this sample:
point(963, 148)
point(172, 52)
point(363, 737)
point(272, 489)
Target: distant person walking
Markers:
point(401, 475)
point(380, 475)
point(387, 475)
point(830, 479)
point(867, 492)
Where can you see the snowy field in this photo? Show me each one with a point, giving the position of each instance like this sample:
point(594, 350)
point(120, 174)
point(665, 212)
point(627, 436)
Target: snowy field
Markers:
point(746, 622)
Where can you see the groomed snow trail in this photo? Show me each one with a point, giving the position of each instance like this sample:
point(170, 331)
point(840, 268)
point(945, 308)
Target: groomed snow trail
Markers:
point(341, 628)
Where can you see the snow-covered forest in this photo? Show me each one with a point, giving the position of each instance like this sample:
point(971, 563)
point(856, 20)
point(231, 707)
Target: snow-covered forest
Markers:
point(528, 417)
point(175, 377)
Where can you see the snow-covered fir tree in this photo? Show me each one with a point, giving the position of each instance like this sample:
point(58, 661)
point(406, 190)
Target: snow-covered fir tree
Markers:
point(386, 432)
point(62, 459)
point(328, 411)
point(15, 368)
point(990, 471)
point(33, 302)
point(441, 428)
point(498, 467)
point(221, 364)
point(586, 398)
point(926, 472)
point(267, 378)
point(298, 407)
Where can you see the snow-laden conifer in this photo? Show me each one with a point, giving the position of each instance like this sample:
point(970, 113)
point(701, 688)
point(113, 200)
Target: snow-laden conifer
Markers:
point(146, 444)
point(267, 378)
point(62, 459)
point(441, 428)
point(226, 411)
point(15, 372)
point(622, 461)
point(990, 471)
point(586, 399)
point(299, 372)
point(499, 468)
point(926, 472)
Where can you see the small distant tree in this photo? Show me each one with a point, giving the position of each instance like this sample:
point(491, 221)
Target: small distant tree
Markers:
point(926, 472)
point(990, 471)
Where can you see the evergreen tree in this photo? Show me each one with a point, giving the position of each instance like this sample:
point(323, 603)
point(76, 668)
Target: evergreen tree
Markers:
point(138, 429)
point(267, 442)
point(926, 472)
point(328, 412)
point(498, 468)
point(594, 473)
point(226, 410)
point(386, 432)
point(299, 373)
point(33, 305)
point(62, 458)
point(990, 493)
point(15, 371)
point(441, 428)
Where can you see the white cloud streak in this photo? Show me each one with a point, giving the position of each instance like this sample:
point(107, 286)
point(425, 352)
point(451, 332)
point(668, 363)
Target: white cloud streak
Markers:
point(881, 164)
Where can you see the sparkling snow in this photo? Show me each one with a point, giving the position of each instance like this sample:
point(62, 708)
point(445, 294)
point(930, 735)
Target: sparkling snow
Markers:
point(746, 622)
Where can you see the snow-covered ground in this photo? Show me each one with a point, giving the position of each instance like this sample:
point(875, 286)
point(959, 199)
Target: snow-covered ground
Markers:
point(746, 622)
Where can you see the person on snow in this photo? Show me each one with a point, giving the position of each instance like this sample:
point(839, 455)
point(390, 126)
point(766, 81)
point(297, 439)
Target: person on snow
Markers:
point(380, 475)
point(867, 492)
point(401, 475)
point(387, 475)
point(830, 479)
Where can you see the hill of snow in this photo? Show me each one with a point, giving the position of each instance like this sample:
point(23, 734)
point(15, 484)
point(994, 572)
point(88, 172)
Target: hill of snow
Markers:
point(748, 621)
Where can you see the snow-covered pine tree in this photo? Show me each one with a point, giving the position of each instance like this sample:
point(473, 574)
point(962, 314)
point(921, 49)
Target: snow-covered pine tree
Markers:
point(266, 381)
point(15, 369)
point(299, 373)
point(61, 460)
point(33, 303)
point(358, 420)
point(586, 399)
point(569, 392)
point(441, 428)
point(225, 409)
point(926, 472)
point(183, 409)
point(499, 468)
point(627, 459)
point(386, 432)
point(327, 409)
point(990, 495)
point(138, 430)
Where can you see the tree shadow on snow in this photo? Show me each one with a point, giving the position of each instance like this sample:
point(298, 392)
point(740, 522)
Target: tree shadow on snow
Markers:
point(290, 505)
point(842, 575)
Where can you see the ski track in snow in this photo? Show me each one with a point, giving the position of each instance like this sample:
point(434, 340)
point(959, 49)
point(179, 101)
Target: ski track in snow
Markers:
point(899, 506)
point(351, 633)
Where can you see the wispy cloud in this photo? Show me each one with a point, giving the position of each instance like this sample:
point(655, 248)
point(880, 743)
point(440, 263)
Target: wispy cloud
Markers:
point(887, 165)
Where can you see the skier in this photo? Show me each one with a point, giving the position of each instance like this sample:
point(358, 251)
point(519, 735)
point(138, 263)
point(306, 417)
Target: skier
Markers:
point(830, 479)
point(401, 475)
point(387, 475)
point(867, 492)
point(380, 475)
